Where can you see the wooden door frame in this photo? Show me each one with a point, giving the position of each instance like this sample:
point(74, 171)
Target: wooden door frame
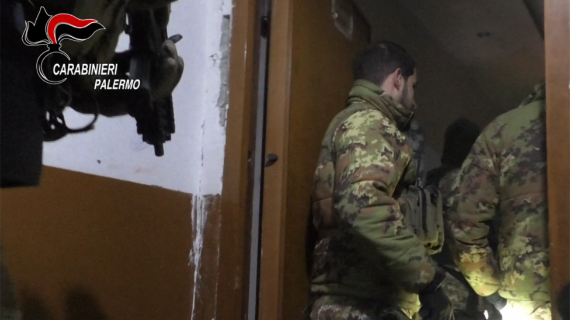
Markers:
point(271, 286)
point(237, 192)
point(275, 177)
point(557, 67)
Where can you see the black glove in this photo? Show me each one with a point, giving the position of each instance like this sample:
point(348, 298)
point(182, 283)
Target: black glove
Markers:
point(498, 301)
point(435, 304)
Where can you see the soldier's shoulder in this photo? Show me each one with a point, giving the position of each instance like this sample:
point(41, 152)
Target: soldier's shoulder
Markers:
point(367, 126)
point(527, 111)
point(365, 120)
point(519, 115)
point(507, 127)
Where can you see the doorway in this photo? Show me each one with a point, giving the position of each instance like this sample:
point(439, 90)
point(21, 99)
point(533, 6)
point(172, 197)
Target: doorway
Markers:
point(476, 60)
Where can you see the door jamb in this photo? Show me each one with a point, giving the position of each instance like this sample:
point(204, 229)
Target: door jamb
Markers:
point(557, 62)
point(275, 176)
point(236, 199)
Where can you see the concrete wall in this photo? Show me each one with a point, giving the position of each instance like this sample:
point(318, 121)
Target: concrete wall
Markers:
point(114, 232)
point(115, 150)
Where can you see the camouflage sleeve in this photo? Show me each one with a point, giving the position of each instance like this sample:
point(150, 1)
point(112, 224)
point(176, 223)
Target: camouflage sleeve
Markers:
point(471, 208)
point(367, 172)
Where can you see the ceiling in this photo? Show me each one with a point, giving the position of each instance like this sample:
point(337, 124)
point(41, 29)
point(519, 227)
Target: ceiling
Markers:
point(476, 58)
point(495, 42)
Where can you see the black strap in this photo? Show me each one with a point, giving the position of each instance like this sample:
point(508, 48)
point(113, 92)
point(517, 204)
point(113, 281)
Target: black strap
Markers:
point(419, 180)
point(53, 123)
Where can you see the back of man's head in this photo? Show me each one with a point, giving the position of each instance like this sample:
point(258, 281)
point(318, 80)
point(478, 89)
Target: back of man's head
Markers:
point(459, 138)
point(380, 59)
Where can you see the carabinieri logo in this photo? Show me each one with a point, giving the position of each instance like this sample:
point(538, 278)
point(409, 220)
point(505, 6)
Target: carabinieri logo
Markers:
point(51, 31)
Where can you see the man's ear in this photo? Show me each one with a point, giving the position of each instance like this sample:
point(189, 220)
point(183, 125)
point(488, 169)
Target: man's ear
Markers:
point(398, 79)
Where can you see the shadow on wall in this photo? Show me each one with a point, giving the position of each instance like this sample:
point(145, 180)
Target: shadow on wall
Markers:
point(80, 304)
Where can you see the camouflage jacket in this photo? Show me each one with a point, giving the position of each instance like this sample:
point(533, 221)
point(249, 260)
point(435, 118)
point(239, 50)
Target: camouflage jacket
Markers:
point(505, 175)
point(446, 182)
point(364, 249)
point(415, 138)
point(444, 258)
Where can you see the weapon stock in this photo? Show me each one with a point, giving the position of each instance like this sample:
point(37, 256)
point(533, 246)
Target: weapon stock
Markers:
point(155, 118)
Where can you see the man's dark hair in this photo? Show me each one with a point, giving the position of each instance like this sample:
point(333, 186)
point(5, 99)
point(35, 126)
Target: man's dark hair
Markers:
point(380, 59)
point(459, 138)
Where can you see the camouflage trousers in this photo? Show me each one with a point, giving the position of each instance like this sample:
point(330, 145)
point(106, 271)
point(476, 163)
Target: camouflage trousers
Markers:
point(527, 310)
point(345, 308)
point(458, 294)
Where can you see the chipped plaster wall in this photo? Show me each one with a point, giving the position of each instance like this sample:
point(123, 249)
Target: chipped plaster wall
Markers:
point(193, 159)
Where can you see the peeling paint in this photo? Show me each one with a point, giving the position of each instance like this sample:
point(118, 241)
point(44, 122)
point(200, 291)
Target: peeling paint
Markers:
point(218, 260)
point(224, 69)
point(209, 162)
point(202, 133)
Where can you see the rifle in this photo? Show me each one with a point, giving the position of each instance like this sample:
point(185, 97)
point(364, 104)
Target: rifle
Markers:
point(155, 118)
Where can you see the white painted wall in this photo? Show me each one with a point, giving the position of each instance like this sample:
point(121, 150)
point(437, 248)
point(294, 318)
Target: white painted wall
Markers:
point(193, 159)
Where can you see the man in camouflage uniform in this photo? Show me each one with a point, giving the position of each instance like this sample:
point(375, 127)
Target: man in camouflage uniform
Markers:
point(505, 175)
point(459, 138)
point(23, 101)
point(367, 264)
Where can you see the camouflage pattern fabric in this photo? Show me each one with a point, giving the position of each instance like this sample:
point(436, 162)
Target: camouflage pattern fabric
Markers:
point(505, 175)
point(456, 292)
point(364, 249)
point(446, 182)
point(415, 138)
point(423, 213)
point(345, 308)
point(531, 310)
